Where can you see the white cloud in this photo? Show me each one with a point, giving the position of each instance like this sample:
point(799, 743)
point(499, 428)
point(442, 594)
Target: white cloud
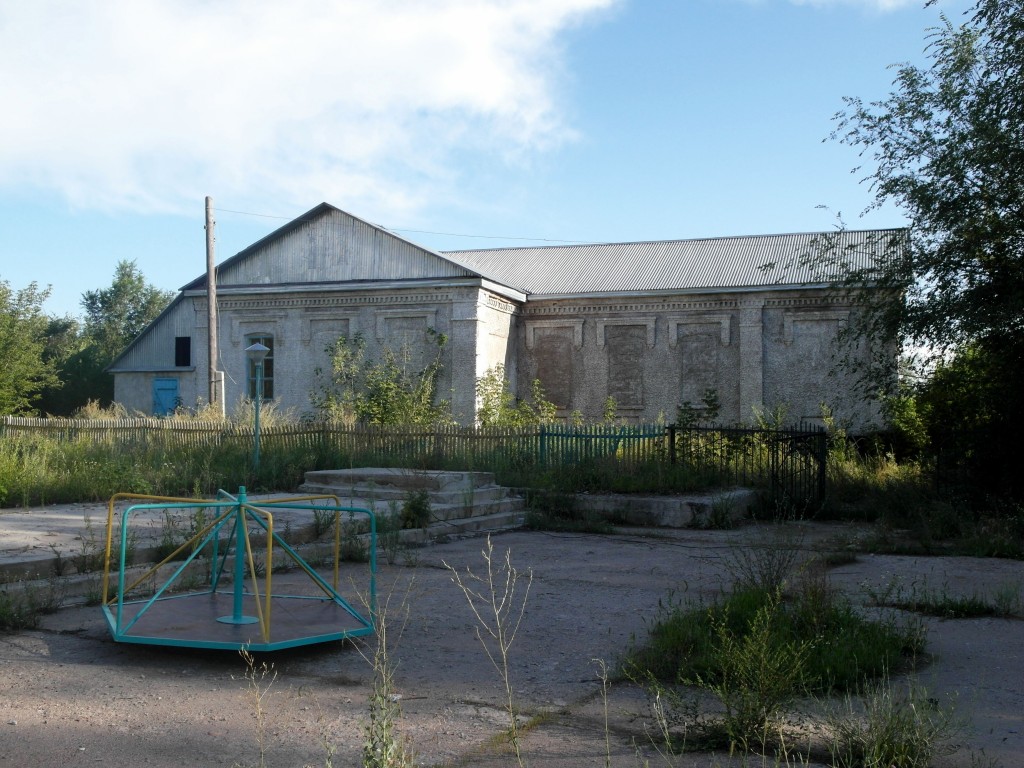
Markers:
point(869, 5)
point(150, 104)
point(877, 5)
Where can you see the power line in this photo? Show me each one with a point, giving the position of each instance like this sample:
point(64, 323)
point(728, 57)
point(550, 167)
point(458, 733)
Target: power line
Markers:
point(419, 231)
point(490, 237)
point(247, 213)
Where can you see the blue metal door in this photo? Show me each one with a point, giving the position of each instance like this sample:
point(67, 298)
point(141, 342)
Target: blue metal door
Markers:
point(165, 396)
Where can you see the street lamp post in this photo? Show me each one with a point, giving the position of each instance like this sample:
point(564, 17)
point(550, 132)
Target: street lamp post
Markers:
point(257, 353)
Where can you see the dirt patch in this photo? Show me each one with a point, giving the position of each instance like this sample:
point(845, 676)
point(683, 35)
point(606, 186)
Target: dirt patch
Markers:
point(71, 696)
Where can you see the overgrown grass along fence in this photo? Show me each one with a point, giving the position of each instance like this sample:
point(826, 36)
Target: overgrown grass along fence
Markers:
point(59, 460)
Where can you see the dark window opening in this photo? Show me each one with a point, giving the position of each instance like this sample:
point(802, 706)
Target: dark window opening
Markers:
point(182, 351)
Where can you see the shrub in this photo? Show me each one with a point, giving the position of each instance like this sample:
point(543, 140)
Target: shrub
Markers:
point(755, 671)
point(416, 509)
point(840, 649)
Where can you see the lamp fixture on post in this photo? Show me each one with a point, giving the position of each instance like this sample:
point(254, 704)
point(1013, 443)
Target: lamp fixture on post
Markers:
point(256, 354)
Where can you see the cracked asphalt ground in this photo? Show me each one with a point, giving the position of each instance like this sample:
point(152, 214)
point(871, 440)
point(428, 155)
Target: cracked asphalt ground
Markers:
point(70, 696)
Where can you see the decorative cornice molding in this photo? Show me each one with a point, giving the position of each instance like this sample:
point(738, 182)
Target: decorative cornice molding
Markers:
point(500, 305)
point(305, 302)
point(807, 301)
point(652, 306)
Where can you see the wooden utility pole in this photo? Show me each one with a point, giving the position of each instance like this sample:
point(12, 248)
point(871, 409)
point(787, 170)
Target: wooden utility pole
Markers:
point(216, 396)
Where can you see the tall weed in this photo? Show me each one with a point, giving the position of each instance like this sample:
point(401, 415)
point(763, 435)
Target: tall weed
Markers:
point(755, 673)
point(383, 746)
point(497, 600)
point(765, 566)
point(886, 727)
point(23, 606)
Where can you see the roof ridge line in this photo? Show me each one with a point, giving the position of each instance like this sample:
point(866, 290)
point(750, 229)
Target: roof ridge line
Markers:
point(580, 244)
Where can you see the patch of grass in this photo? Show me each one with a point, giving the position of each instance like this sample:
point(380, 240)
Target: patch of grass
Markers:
point(383, 745)
point(754, 671)
point(389, 534)
point(1006, 599)
point(723, 515)
point(24, 606)
point(950, 606)
point(352, 549)
point(94, 591)
point(92, 548)
point(610, 475)
point(942, 603)
point(999, 534)
point(912, 516)
point(837, 557)
point(756, 653)
point(174, 533)
point(560, 512)
point(323, 521)
point(16, 613)
point(843, 649)
point(260, 677)
point(764, 566)
point(874, 487)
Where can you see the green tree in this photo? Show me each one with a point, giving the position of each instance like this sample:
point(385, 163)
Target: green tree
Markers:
point(384, 391)
point(65, 347)
point(24, 371)
point(960, 407)
point(947, 147)
point(500, 408)
point(114, 317)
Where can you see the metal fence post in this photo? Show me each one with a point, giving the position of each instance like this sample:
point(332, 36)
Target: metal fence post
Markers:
point(822, 445)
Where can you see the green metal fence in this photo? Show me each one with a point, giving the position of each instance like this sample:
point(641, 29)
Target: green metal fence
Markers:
point(789, 462)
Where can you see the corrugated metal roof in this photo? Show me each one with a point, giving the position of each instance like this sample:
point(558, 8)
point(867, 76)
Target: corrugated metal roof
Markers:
point(725, 262)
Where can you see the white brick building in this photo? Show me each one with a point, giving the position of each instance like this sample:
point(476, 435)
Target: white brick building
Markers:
point(650, 324)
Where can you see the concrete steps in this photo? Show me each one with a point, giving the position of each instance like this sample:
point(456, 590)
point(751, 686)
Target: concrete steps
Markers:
point(460, 502)
point(61, 549)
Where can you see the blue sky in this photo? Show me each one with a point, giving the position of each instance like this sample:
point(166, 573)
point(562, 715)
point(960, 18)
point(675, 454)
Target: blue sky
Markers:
point(457, 123)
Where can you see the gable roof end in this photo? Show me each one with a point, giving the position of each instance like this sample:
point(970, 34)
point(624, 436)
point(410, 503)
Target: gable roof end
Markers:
point(327, 239)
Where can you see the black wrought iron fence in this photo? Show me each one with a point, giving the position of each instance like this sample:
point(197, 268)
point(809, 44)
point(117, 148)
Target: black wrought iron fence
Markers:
point(790, 462)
